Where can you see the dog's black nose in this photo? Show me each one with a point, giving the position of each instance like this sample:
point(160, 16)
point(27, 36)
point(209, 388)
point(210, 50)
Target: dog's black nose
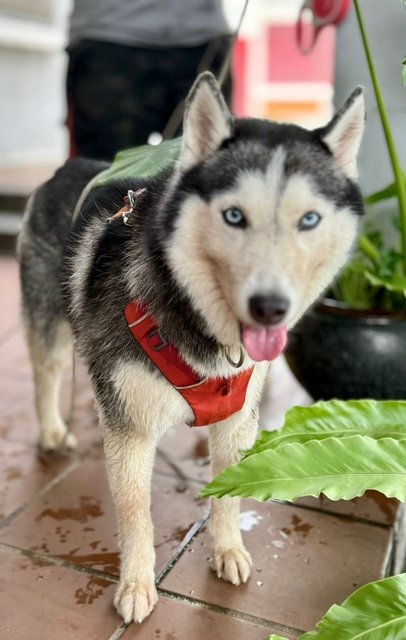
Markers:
point(267, 309)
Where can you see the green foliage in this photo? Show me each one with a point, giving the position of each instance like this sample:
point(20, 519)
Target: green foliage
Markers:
point(374, 278)
point(340, 449)
point(376, 611)
point(378, 281)
point(383, 194)
point(142, 162)
point(337, 418)
point(341, 468)
point(352, 287)
point(404, 62)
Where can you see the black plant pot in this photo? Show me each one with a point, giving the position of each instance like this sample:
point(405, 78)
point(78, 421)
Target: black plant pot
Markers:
point(336, 352)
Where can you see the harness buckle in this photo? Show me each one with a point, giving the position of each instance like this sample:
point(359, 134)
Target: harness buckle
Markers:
point(160, 345)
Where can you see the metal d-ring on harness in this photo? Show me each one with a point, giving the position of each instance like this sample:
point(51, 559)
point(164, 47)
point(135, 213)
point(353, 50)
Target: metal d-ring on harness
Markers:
point(240, 360)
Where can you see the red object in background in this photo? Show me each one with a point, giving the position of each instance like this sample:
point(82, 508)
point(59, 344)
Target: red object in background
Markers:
point(323, 13)
point(240, 73)
point(287, 64)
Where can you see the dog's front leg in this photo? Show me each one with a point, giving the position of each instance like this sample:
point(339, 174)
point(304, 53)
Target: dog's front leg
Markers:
point(231, 561)
point(130, 460)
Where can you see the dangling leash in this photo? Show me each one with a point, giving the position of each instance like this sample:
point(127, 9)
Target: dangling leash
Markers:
point(176, 117)
point(322, 13)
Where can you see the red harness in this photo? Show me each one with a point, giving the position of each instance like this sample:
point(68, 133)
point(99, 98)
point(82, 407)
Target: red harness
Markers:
point(211, 399)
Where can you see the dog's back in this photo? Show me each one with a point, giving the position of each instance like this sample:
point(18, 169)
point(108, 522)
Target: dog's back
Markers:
point(42, 240)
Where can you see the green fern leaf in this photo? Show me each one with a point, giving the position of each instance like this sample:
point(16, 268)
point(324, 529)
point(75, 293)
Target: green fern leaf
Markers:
point(376, 611)
point(142, 162)
point(341, 468)
point(337, 418)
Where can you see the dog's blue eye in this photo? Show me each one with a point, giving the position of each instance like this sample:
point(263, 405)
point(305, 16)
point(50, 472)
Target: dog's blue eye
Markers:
point(310, 220)
point(234, 217)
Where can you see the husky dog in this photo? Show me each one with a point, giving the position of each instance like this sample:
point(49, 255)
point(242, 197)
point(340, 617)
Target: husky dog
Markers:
point(226, 251)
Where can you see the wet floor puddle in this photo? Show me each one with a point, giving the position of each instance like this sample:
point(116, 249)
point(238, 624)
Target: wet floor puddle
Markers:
point(297, 526)
point(88, 508)
point(177, 535)
point(94, 589)
point(107, 561)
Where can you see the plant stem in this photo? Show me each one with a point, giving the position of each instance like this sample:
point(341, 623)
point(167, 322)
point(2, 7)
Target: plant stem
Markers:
point(397, 169)
point(368, 249)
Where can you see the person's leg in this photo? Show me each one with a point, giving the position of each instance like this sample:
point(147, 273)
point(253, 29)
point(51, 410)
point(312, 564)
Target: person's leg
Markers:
point(117, 95)
point(116, 98)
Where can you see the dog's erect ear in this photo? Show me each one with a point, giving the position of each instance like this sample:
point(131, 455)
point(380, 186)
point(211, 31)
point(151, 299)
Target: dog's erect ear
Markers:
point(344, 133)
point(207, 121)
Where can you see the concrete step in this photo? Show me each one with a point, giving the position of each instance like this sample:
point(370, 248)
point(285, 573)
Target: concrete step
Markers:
point(12, 202)
point(10, 222)
point(16, 184)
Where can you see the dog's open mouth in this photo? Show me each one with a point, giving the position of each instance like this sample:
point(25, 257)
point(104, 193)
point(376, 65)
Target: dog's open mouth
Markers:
point(265, 343)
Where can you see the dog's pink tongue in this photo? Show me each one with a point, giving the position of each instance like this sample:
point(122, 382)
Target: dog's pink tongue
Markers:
point(264, 344)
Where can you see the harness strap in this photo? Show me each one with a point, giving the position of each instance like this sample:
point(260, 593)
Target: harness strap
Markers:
point(211, 399)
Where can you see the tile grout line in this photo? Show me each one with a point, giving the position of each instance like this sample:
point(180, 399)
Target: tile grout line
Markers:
point(397, 564)
point(341, 516)
point(233, 613)
point(390, 553)
point(49, 485)
point(56, 561)
point(119, 632)
point(187, 479)
point(191, 534)
point(84, 455)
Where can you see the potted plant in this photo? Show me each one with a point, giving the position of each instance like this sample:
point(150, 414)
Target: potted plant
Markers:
point(353, 344)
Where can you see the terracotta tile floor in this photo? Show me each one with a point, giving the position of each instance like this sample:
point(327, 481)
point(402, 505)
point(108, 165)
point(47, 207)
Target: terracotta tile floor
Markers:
point(58, 543)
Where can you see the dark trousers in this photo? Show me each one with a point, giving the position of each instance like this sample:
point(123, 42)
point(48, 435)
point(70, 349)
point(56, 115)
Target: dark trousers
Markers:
point(118, 95)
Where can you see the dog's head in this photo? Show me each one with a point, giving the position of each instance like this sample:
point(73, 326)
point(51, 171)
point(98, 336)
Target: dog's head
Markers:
point(263, 216)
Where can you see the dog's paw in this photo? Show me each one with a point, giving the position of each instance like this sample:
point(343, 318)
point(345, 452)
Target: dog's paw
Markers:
point(232, 565)
point(135, 601)
point(60, 438)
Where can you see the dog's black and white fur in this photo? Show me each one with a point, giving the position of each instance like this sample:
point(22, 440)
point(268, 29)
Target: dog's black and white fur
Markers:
point(197, 273)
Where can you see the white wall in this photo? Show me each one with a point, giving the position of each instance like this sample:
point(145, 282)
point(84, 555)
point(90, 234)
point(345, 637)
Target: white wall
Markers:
point(32, 73)
point(386, 27)
point(32, 70)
